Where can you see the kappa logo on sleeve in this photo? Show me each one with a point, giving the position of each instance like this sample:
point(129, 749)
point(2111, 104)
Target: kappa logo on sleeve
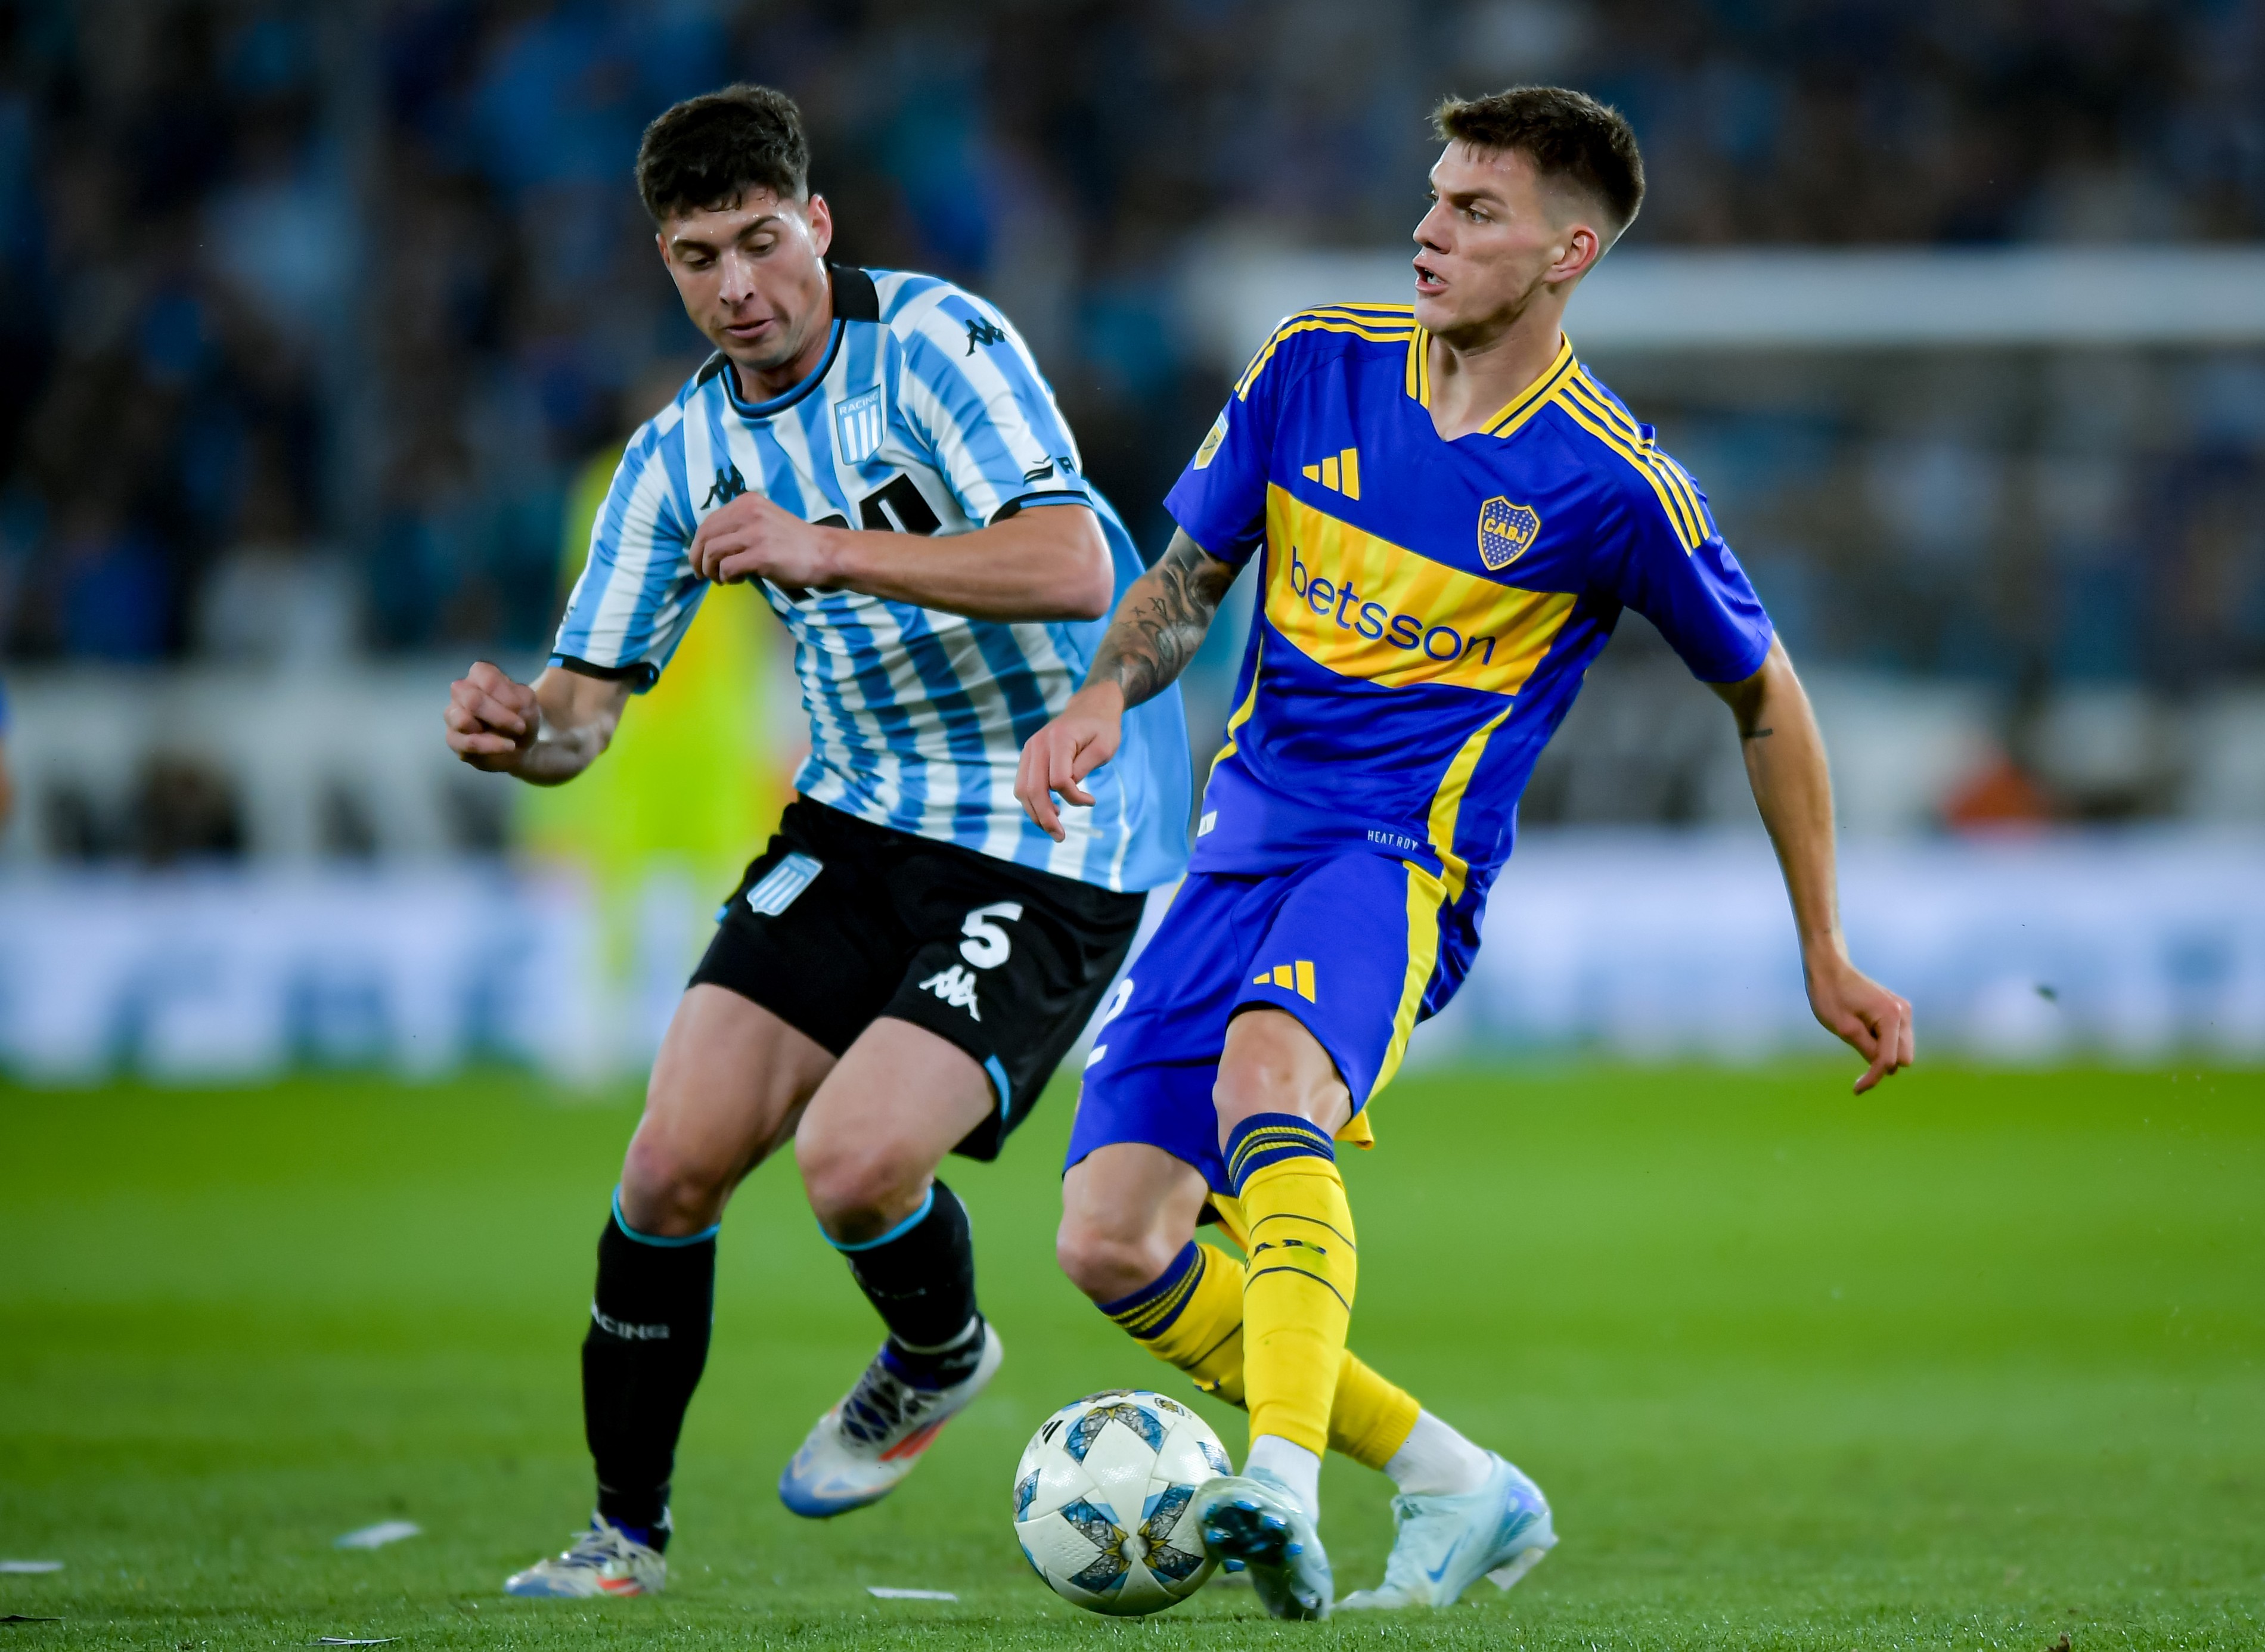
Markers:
point(983, 332)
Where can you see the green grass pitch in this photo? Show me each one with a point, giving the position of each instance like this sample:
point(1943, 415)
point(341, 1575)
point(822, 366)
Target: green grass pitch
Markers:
point(1975, 1361)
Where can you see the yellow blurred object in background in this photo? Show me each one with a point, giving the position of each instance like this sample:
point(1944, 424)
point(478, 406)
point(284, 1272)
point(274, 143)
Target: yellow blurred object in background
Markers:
point(663, 824)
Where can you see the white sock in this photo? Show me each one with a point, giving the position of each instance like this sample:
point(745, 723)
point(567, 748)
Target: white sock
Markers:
point(1436, 1461)
point(1292, 1463)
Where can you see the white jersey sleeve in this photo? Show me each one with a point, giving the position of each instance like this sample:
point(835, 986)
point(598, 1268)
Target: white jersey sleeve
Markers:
point(973, 394)
point(637, 593)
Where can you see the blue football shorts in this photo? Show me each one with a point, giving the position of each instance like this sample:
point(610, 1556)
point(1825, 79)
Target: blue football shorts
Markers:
point(1358, 947)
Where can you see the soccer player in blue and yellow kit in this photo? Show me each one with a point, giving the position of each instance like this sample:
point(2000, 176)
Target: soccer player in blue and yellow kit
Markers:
point(1450, 514)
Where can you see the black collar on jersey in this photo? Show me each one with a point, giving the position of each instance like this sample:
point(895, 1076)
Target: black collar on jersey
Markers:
point(855, 298)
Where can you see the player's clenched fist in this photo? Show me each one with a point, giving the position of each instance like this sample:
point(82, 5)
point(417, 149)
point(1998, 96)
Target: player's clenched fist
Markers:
point(1067, 750)
point(752, 538)
point(491, 720)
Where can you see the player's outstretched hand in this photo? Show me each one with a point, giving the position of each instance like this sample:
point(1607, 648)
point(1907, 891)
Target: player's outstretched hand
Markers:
point(1874, 1022)
point(751, 538)
point(1067, 750)
point(491, 720)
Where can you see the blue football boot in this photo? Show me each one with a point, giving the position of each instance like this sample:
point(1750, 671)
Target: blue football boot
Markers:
point(1255, 1518)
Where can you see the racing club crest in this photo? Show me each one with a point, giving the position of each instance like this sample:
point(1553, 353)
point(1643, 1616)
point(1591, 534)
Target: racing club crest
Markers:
point(858, 426)
point(1506, 532)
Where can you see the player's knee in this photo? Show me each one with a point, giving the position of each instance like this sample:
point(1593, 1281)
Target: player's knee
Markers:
point(666, 1190)
point(1106, 1260)
point(1273, 1064)
point(857, 1190)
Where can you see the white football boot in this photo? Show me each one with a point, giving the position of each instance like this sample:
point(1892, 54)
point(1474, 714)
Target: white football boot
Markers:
point(602, 1562)
point(1255, 1518)
point(863, 1446)
point(1500, 1532)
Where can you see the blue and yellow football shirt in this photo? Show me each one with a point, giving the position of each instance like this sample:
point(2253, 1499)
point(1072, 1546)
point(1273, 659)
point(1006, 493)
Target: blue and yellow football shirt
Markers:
point(1428, 607)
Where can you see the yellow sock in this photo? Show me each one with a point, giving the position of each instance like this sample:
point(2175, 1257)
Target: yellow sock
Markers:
point(1297, 1294)
point(1371, 1417)
point(1192, 1318)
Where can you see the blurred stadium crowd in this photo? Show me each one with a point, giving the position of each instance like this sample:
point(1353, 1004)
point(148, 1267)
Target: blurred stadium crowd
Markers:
point(310, 314)
point(321, 324)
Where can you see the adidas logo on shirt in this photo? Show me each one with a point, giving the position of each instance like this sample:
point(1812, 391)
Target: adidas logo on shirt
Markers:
point(1290, 977)
point(1339, 473)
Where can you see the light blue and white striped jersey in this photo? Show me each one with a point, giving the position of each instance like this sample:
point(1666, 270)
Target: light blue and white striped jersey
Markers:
point(928, 416)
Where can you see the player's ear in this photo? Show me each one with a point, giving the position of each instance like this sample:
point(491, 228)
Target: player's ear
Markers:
point(1583, 246)
point(821, 224)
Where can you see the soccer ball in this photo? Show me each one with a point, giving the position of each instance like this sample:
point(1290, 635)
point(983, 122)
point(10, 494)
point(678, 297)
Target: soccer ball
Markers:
point(1104, 1502)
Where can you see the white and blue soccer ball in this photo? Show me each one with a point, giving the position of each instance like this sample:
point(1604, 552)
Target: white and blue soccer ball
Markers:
point(1105, 1501)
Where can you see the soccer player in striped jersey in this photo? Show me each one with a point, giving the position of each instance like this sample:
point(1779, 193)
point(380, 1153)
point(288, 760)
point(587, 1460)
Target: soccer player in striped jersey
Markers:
point(1449, 514)
point(897, 977)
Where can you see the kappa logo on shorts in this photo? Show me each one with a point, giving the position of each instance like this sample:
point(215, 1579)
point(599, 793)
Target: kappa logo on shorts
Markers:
point(956, 987)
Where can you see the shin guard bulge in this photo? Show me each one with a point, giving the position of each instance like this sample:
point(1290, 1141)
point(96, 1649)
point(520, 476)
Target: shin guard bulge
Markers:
point(1297, 1294)
point(919, 1276)
point(647, 1344)
point(1191, 1317)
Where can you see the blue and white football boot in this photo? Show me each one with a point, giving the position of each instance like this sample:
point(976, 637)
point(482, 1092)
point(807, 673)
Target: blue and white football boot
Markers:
point(1500, 1532)
point(858, 1452)
point(1256, 1520)
point(604, 1560)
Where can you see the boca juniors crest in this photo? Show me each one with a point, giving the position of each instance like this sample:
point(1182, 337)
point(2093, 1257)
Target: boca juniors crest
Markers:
point(1506, 532)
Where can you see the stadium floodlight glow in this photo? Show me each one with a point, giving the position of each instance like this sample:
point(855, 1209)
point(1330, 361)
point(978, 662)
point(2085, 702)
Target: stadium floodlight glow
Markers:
point(1804, 298)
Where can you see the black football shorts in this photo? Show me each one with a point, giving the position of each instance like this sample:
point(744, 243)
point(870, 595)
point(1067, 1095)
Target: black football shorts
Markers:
point(841, 922)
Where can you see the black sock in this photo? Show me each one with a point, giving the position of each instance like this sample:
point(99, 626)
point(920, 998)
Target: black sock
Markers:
point(921, 1277)
point(649, 1324)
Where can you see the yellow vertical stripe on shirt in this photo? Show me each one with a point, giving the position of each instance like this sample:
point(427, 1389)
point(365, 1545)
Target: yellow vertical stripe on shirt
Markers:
point(1447, 804)
point(1249, 702)
point(1419, 368)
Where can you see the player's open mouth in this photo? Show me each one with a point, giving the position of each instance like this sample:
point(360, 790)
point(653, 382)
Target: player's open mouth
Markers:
point(1427, 280)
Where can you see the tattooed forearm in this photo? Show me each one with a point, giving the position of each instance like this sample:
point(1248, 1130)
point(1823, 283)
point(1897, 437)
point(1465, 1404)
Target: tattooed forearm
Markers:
point(1162, 621)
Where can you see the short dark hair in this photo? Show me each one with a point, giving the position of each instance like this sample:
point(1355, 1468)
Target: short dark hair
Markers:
point(715, 148)
point(1567, 135)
